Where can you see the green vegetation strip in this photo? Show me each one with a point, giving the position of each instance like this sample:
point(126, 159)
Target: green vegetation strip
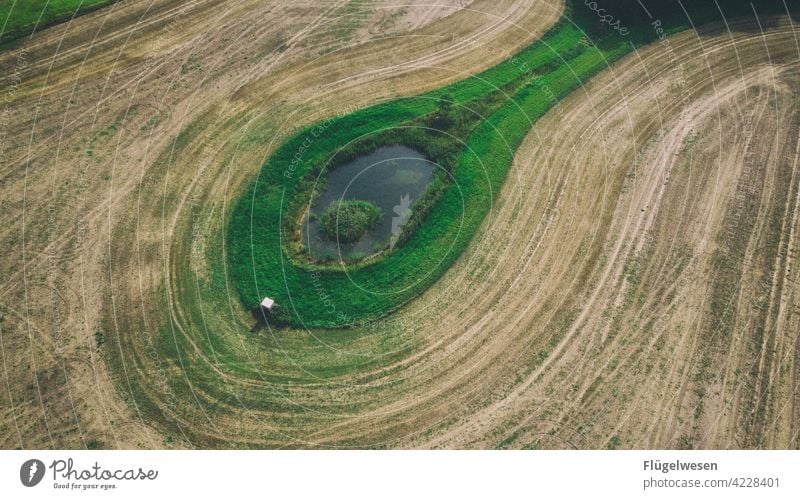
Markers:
point(495, 110)
point(22, 17)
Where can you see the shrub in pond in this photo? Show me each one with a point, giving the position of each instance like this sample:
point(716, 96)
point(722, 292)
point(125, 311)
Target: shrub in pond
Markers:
point(347, 221)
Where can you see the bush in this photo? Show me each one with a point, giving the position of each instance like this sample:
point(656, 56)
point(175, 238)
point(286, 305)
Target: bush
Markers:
point(347, 221)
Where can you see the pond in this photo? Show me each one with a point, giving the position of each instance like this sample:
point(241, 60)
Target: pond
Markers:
point(391, 177)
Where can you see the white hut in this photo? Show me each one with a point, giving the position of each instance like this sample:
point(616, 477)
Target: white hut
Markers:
point(267, 304)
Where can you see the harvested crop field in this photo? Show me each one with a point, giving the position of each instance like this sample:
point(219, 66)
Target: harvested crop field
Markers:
point(634, 284)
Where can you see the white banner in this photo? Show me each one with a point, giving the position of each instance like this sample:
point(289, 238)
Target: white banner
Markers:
point(379, 474)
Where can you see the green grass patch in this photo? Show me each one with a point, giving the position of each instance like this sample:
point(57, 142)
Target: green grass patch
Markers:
point(23, 17)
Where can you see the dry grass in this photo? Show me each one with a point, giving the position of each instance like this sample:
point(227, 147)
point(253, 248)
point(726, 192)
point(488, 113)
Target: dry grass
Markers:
point(94, 200)
point(634, 286)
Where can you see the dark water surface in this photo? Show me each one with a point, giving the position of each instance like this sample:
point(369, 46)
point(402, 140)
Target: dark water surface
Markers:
point(392, 177)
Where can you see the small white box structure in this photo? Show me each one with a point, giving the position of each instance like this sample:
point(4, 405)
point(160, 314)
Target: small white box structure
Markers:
point(267, 304)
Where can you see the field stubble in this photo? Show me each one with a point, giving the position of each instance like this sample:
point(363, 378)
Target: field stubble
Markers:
point(95, 198)
point(635, 284)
